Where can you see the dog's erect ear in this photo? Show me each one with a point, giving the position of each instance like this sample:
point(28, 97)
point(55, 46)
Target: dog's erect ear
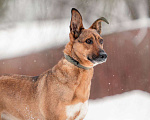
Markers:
point(76, 25)
point(97, 24)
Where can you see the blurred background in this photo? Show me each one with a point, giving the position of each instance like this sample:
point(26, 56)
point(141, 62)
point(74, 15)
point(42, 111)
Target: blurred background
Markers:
point(33, 34)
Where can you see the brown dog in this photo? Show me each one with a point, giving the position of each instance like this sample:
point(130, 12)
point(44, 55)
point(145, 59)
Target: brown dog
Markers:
point(63, 92)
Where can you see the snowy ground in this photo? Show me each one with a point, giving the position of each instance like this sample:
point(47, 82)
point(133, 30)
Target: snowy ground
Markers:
point(134, 105)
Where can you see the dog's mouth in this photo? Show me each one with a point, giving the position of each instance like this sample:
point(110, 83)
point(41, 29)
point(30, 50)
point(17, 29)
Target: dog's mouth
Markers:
point(97, 60)
point(90, 59)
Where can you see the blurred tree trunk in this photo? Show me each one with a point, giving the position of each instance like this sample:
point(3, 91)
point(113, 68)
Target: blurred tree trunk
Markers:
point(132, 9)
point(3, 4)
point(149, 8)
point(138, 8)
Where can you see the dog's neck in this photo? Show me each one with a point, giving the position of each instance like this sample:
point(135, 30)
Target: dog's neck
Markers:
point(72, 74)
point(78, 79)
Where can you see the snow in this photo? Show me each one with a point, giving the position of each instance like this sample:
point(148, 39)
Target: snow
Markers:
point(134, 105)
point(29, 37)
point(127, 25)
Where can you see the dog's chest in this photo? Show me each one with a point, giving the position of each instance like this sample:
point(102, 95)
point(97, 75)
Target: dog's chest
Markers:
point(76, 111)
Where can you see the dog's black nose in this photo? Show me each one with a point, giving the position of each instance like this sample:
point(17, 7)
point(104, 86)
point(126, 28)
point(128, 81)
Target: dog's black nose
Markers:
point(102, 55)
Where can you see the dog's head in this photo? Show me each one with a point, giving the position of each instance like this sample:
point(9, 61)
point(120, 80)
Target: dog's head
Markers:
point(86, 45)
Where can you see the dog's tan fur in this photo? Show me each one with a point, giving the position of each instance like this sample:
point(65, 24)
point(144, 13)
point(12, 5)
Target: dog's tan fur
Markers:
point(45, 97)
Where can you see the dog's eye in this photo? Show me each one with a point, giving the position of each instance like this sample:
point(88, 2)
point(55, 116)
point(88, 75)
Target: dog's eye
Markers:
point(101, 41)
point(89, 41)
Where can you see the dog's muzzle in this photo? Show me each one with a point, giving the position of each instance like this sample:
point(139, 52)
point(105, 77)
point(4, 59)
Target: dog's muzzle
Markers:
point(102, 57)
